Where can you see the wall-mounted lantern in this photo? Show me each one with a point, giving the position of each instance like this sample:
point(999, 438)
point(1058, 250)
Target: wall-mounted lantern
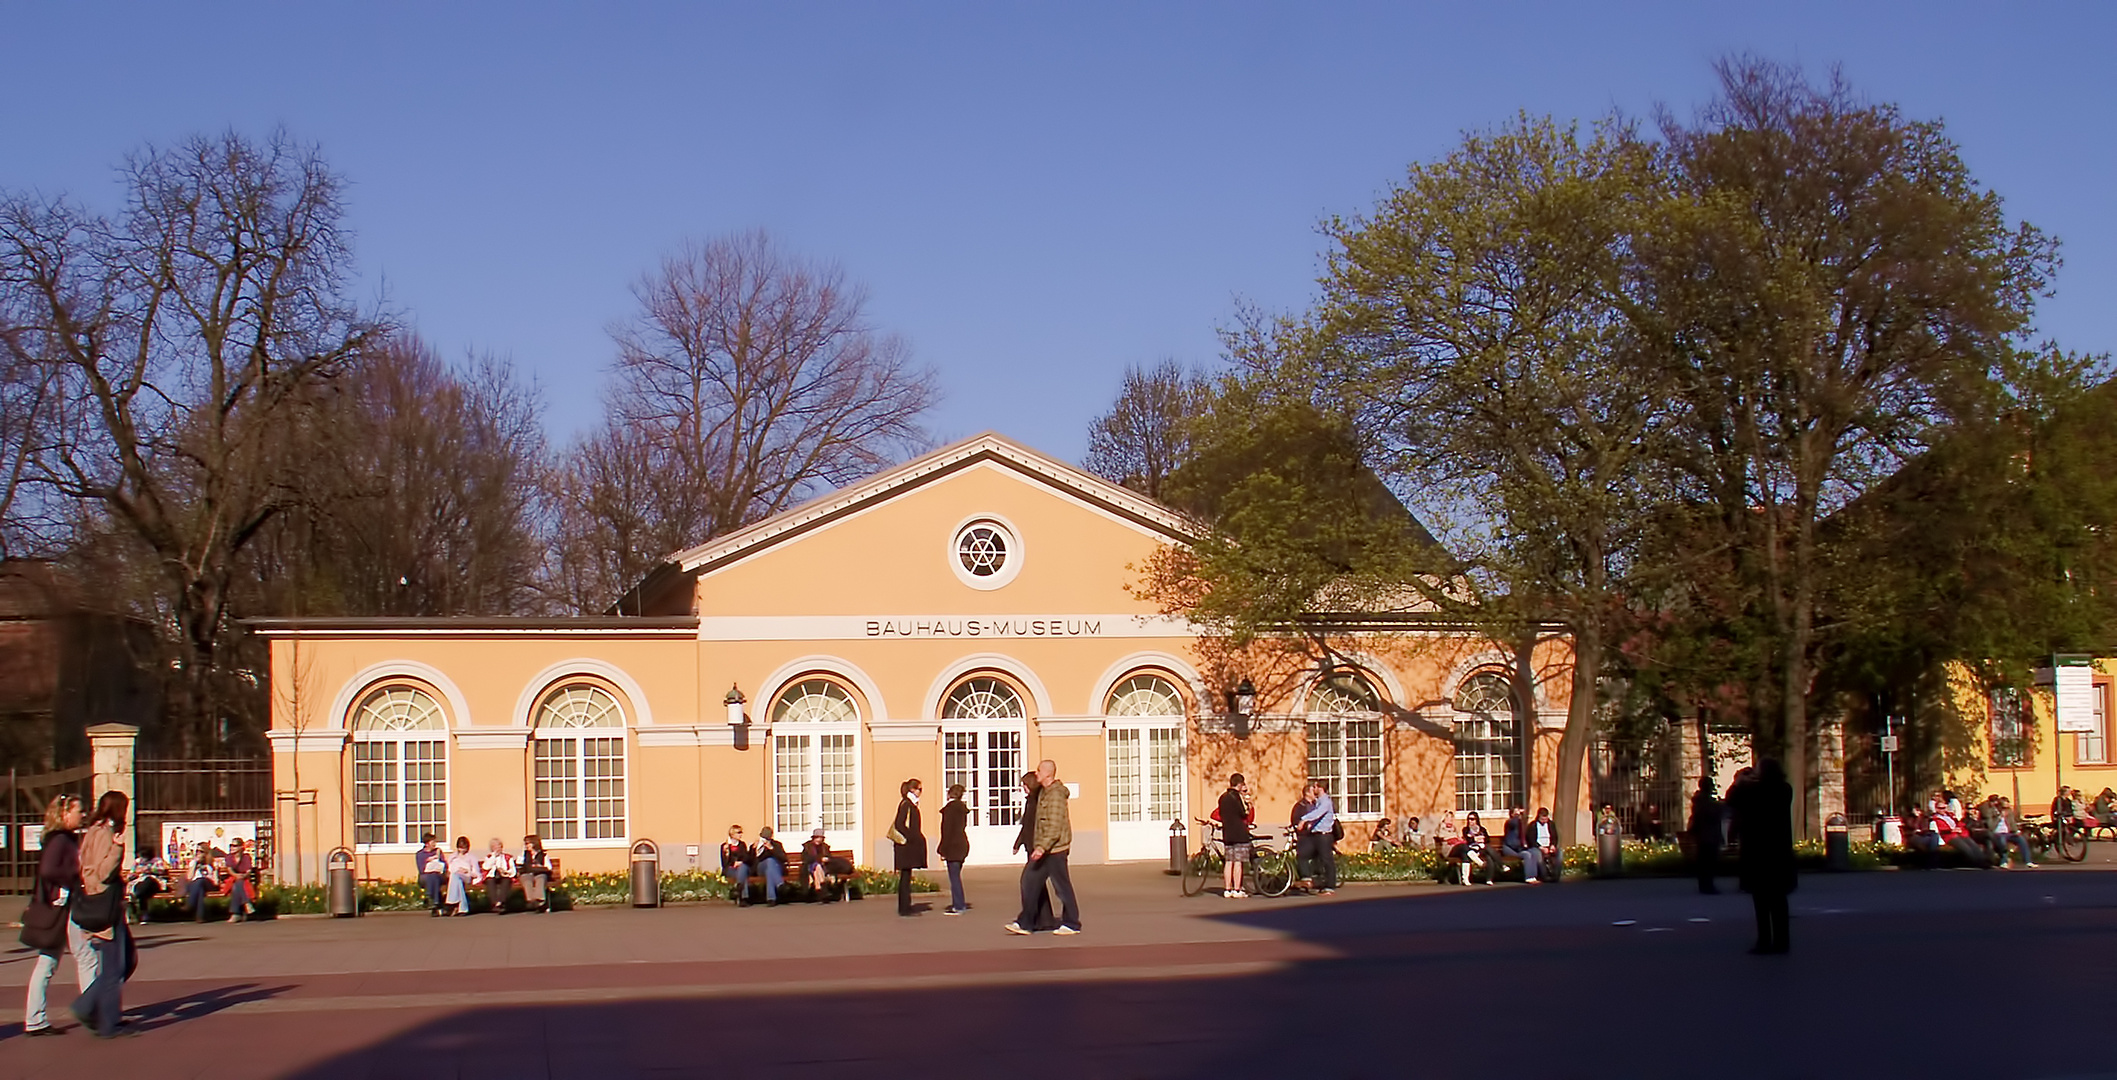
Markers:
point(734, 702)
point(1242, 702)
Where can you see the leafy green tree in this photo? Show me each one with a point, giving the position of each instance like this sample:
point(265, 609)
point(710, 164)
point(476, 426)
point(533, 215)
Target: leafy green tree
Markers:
point(1838, 291)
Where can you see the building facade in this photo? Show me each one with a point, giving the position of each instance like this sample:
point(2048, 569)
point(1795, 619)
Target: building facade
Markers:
point(955, 619)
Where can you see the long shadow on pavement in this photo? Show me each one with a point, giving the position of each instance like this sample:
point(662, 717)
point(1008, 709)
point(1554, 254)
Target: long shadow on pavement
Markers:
point(1475, 985)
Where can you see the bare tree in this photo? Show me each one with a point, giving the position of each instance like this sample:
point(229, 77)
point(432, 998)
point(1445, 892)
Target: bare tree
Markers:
point(1144, 436)
point(419, 493)
point(184, 335)
point(748, 380)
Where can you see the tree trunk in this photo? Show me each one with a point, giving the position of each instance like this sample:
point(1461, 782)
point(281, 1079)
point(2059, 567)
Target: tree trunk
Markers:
point(1580, 730)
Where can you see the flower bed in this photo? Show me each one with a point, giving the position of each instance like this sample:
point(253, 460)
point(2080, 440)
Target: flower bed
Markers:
point(575, 890)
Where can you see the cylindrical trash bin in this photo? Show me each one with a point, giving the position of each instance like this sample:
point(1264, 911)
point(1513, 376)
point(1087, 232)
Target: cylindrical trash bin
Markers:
point(342, 893)
point(646, 874)
point(1609, 854)
point(1837, 843)
point(1179, 847)
point(1889, 830)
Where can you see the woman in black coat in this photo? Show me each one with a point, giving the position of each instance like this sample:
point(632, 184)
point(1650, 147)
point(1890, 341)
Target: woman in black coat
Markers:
point(955, 846)
point(910, 841)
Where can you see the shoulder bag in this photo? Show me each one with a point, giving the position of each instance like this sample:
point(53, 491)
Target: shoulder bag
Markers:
point(43, 924)
point(99, 912)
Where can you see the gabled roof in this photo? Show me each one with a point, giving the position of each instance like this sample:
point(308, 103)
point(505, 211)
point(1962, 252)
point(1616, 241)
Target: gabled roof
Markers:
point(654, 594)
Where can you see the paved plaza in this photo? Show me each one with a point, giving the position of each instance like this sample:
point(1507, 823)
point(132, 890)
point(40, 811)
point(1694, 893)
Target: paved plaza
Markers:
point(1948, 973)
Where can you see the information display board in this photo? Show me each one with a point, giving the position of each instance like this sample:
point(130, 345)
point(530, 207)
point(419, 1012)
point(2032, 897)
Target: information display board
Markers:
point(2075, 693)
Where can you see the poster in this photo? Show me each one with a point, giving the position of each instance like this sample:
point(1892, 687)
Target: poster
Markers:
point(180, 838)
point(2077, 705)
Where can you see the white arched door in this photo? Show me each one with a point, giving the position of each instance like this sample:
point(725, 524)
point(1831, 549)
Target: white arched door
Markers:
point(816, 764)
point(983, 725)
point(1144, 765)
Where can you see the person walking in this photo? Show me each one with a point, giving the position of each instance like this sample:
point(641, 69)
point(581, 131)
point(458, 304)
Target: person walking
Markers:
point(47, 924)
point(1764, 825)
point(431, 864)
point(955, 846)
point(534, 868)
point(1024, 839)
point(904, 832)
point(1705, 835)
point(1050, 846)
point(1234, 814)
point(100, 912)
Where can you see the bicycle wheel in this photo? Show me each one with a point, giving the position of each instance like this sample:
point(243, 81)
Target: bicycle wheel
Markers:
point(1203, 867)
point(1273, 872)
point(2072, 843)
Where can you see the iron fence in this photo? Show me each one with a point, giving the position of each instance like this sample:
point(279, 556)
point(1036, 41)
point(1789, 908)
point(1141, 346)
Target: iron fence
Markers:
point(230, 789)
point(1643, 782)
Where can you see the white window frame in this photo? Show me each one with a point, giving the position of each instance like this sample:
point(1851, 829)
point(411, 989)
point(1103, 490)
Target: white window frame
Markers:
point(622, 733)
point(2093, 747)
point(1017, 725)
point(367, 736)
point(1144, 724)
point(1336, 721)
point(814, 731)
point(1467, 719)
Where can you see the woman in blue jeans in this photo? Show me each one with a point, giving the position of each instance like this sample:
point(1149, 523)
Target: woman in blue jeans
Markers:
point(955, 846)
point(102, 1004)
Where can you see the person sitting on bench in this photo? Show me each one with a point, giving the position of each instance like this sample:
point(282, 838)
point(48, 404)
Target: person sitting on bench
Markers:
point(737, 863)
point(204, 879)
point(2105, 809)
point(1475, 853)
point(814, 855)
point(771, 862)
point(1541, 857)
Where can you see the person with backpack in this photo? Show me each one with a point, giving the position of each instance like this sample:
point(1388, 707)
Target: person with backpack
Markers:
point(46, 924)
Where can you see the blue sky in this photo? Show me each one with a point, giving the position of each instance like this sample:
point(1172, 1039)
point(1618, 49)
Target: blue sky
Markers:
point(1035, 195)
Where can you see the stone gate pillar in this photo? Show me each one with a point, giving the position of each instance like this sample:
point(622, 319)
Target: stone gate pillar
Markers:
point(1830, 769)
point(111, 749)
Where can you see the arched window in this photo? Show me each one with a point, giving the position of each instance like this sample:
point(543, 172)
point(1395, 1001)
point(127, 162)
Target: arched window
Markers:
point(815, 761)
point(400, 767)
point(579, 754)
point(1143, 750)
point(982, 699)
point(1488, 745)
point(981, 748)
point(1345, 742)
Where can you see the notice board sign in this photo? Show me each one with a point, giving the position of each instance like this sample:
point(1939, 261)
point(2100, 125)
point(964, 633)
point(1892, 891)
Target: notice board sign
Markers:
point(2075, 695)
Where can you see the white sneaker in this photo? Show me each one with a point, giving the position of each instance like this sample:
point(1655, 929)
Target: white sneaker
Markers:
point(1238, 894)
point(1066, 930)
point(1015, 928)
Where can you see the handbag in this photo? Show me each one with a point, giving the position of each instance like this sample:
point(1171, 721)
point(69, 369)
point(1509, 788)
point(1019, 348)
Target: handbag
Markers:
point(893, 835)
point(44, 925)
point(100, 911)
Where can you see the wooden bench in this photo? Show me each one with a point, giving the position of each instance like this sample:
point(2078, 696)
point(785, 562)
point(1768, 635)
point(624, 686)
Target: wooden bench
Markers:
point(1497, 859)
point(842, 886)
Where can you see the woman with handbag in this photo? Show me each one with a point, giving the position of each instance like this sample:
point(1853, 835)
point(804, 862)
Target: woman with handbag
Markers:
point(910, 843)
point(45, 925)
point(100, 910)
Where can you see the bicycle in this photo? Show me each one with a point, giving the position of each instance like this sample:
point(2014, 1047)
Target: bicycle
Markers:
point(2068, 837)
point(1269, 871)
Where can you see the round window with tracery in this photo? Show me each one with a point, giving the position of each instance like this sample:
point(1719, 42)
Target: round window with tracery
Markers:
point(983, 550)
point(985, 554)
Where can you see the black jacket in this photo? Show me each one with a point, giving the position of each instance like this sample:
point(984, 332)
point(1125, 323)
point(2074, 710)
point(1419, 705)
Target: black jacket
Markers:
point(1764, 825)
point(955, 832)
point(770, 849)
point(732, 853)
point(1025, 837)
point(911, 854)
point(1234, 818)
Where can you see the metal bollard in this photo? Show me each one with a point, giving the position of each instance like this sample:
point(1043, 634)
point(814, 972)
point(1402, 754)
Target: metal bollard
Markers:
point(1179, 847)
point(646, 874)
point(341, 892)
point(1609, 855)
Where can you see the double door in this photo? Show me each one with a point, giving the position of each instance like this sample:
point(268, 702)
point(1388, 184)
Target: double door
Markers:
point(1145, 773)
point(987, 761)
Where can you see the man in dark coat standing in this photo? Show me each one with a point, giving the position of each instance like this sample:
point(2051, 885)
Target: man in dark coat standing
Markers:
point(911, 843)
point(1705, 835)
point(1764, 823)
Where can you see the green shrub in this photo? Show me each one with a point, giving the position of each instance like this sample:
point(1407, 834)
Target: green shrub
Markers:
point(574, 890)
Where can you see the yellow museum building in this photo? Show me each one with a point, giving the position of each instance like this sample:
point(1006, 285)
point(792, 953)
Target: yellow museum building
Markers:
point(954, 619)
